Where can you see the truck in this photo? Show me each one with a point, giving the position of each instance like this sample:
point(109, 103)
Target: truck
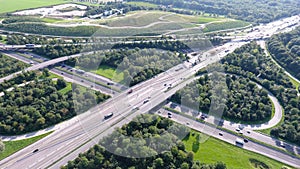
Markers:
point(80, 71)
point(108, 116)
point(29, 46)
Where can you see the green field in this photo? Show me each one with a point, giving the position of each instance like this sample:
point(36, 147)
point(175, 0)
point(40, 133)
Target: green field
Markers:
point(218, 26)
point(110, 73)
point(137, 19)
point(145, 4)
point(214, 150)
point(192, 18)
point(14, 5)
point(14, 146)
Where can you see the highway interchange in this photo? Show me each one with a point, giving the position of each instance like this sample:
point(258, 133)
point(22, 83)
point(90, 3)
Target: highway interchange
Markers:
point(66, 143)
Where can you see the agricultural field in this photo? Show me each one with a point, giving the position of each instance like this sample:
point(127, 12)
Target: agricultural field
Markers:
point(214, 150)
point(199, 19)
point(144, 4)
point(14, 5)
point(218, 26)
point(143, 18)
point(137, 19)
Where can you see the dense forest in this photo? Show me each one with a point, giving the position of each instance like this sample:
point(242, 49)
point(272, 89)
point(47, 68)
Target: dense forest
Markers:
point(10, 65)
point(244, 100)
point(262, 11)
point(120, 149)
point(18, 79)
point(285, 48)
point(250, 61)
point(137, 64)
point(40, 104)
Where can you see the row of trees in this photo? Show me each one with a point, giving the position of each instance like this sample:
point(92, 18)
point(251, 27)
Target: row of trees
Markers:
point(250, 61)
point(43, 29)
point(263, 11)
point(286, 50)
point(16, 39)
point(243, 101)
point(41, 104)
point(146, 136)
point(136, 64)
point(9, 65)
point(57, 51)
point(20, 78)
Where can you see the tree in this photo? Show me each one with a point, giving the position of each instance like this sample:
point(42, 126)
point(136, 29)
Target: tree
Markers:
point(2, 146)
point(61, 84)
point(220, 165)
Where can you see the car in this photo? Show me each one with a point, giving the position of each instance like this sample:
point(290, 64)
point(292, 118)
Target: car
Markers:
point(136, 108)
point(82, 80)
point(130, 91)
point(221, 134)
point(240, 132)
point(62, 73)
point(36, 150)
point(109, 83)
point(187, 123)
point(169, 113)
point(245, 140)
point(169, 116)
point(282, 145)
point(238, 129)
point(248, 131)
point(108, 116)
point(146, 101)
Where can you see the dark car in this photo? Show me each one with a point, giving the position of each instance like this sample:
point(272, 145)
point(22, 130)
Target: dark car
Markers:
point(221, 134)
point(246, 141)
point(36, 150)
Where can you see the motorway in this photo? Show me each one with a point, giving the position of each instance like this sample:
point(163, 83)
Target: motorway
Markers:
point(65, 144)
point(68, 76)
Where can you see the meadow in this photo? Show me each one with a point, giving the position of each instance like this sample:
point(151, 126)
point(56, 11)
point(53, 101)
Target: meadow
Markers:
point(213, 150)
point(15, 5)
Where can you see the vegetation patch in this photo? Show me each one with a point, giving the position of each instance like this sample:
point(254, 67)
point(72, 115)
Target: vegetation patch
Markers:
point(250, 61)
point(10, 65)
point(244, 101)
point(285, 48)
point(258, 164)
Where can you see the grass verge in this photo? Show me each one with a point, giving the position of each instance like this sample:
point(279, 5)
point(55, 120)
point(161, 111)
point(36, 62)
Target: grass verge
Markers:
point(213, 150)
point(13, 146)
